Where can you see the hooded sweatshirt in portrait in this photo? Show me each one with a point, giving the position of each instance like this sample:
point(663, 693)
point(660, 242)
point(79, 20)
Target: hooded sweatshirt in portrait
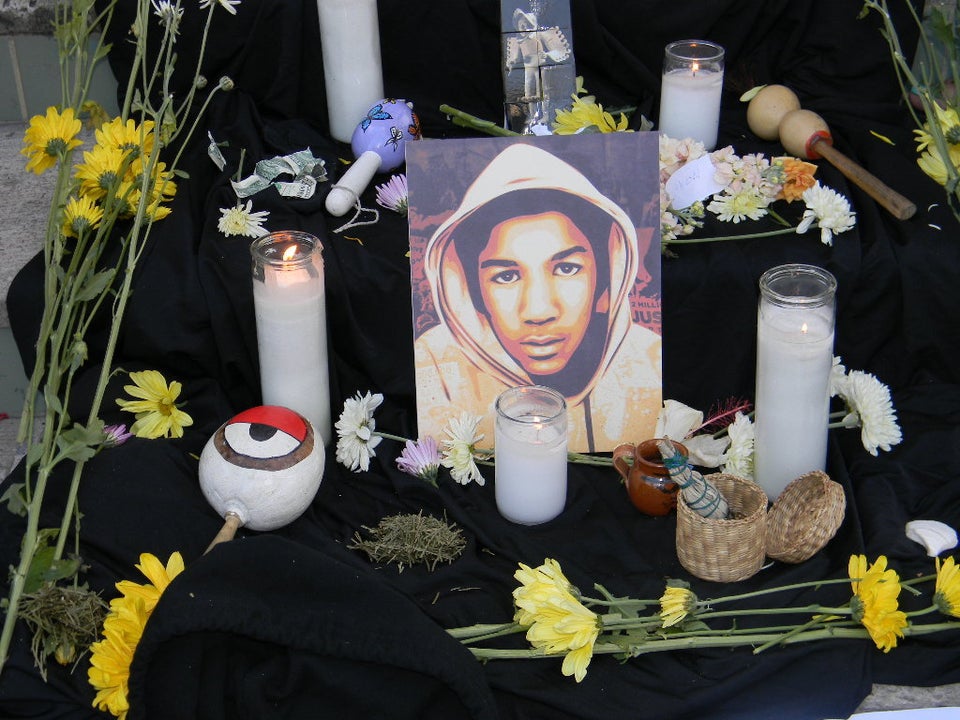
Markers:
point(612, 383)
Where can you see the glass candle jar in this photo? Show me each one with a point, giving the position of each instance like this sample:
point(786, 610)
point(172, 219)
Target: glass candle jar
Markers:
point(795, 331)
point(690, 91)
point(530, 454)
point(290, 308)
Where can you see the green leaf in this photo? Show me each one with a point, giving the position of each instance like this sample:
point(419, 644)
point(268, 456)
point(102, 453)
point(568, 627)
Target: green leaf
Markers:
point(80, 443)
point(95, 285)
point(53, 402)
point(34, 453)
point(44, 569)
point(751, 93)
point(14, 499)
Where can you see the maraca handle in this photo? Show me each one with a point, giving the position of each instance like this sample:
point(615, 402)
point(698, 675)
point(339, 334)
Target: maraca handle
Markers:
point(898, 206)
point(229, 529)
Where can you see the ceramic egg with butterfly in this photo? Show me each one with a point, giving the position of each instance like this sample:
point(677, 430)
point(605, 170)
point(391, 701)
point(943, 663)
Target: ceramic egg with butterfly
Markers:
point(261, 469)
point(378, 145)
point(386, 128)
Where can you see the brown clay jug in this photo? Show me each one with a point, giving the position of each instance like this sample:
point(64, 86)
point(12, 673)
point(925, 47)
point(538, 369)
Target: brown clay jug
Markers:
point(648, 481)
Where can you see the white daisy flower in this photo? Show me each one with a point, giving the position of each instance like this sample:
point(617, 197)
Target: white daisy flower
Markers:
point(868, 401)
point(738, 459)
point(458, 449)
point(170, 13)
point(838, 377)
point(828, 210)
point(227, 5)
point(355, 430)
point(239, 220)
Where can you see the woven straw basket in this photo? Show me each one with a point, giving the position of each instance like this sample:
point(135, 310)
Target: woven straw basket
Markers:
point(805, 517)
point(724, 550)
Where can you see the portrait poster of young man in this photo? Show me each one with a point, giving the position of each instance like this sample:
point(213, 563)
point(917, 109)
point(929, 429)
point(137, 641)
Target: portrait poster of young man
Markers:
point(535, 260)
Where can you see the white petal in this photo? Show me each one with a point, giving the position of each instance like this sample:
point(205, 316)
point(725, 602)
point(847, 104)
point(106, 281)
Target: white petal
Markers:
point(677, 420)
point(933, 535)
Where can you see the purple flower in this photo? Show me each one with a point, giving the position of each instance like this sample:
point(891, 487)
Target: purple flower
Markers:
point(421, 459)
point(393, 194)
point(115, 435)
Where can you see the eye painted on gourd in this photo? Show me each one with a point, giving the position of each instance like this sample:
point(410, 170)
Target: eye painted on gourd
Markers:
point(258, 440)
point(260, 446)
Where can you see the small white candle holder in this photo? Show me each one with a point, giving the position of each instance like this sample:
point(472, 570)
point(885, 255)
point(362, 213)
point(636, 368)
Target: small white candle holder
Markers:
point(690, 91)
point(290, 306)
point(350, 43)
point(530, 451)
point(795, 332)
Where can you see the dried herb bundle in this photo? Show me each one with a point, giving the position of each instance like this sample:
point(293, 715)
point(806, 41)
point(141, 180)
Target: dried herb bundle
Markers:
point(64, 620)
point(408, 539)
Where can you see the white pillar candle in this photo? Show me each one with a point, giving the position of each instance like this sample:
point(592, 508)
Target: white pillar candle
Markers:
point(795, 330)
point(690, 91)
point(350, 43)
point(530, 454)
point(290, 308)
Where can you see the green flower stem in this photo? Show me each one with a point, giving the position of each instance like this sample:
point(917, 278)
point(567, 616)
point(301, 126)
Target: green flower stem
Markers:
point(768, 591)
point(759, 640)
point(779, 218)
point(463, 119)
point(483, 455)
point(747, 236)
point(583, 459)
point(477, 633)
point(388, 436)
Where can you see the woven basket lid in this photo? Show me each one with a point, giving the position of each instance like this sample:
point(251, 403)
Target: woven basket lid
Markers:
point(805, 517)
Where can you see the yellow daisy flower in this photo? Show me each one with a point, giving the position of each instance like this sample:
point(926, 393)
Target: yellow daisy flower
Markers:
point(874, 603)
point(931, 162)
point(161, 183)
point(159, 576)
point(557, 622)
point(48, 137)
point(101, 169)
point(675, 604)
point(80, 215)
point(128, 137)
point(129, 195)
point(155, 407)
point(109, 672)
point(946, 594)
point(586, 113)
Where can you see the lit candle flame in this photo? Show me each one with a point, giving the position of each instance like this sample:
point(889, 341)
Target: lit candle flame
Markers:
point(289, 253)
point(696, 66)
point(804, 329)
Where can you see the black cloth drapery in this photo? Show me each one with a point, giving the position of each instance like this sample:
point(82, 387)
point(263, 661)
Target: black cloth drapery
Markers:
point(294, 623)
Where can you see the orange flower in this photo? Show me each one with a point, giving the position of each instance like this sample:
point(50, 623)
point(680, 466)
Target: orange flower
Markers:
point(798, 176)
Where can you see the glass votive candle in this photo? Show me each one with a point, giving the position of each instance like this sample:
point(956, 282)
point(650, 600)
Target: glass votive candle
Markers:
point(290, 308)
point(530, 454)
point(690, 91)
point(795, 331)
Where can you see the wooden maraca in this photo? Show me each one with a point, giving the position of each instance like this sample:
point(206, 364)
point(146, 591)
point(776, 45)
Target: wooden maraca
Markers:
point(805, 134)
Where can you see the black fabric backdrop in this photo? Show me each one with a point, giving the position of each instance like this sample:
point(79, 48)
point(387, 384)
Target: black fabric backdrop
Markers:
point(293, 624)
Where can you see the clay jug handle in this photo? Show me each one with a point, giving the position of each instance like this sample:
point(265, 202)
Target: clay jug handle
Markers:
point(620, 453)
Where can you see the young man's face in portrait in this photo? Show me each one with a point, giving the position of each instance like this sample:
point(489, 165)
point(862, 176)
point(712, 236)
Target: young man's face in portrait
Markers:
point(538, 279)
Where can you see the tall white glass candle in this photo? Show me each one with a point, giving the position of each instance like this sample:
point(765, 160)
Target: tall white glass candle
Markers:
point(290, 307)
point(690, 91)
point(530, 454)
point(350, 43)
point(795, 329)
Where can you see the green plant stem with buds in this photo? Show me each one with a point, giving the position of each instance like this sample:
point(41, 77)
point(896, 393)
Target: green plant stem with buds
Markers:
point(928, 87)
point(73, 294)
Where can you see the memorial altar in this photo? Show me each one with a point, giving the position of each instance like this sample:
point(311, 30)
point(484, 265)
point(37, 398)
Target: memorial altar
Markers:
point(297, 622)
